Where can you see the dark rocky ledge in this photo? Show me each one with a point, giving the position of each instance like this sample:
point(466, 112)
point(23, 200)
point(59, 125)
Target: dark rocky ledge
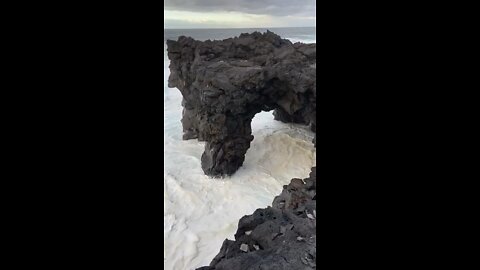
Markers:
point(225, 83)
point(279, 237)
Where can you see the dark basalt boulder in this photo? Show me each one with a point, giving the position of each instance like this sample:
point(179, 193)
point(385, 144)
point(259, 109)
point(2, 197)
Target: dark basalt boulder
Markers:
point(279, 237)
point(225, 83)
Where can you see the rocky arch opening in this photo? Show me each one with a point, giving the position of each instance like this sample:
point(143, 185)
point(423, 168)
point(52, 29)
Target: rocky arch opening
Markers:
point(228, 134)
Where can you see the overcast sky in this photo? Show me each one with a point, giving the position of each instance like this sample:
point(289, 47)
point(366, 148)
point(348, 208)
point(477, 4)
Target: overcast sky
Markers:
point(239, 13)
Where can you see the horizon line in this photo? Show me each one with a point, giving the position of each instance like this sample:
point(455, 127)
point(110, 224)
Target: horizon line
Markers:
point(240, 27)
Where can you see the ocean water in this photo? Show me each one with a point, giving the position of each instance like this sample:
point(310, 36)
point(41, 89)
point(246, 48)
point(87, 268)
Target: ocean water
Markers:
point(201, 212)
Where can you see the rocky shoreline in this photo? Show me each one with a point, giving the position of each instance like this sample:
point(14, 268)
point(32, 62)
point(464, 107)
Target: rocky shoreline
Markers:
point(279, 237)
point(224, 84)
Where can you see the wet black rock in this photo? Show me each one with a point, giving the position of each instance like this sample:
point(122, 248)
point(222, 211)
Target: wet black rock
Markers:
point(225, 83)
point(279, 237)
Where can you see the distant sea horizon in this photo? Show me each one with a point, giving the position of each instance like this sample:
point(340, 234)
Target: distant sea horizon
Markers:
point(306, 34)
point(240, 27)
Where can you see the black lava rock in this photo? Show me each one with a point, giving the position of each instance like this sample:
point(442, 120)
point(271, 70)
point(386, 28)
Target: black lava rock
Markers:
point(279, 237)
point(225, 83)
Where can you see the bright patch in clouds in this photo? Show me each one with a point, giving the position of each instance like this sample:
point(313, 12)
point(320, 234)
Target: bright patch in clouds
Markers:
point(239, 13)
point(179, 19)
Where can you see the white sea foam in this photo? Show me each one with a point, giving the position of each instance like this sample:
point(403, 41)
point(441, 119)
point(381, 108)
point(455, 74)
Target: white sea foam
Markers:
point(302, 40)
point(200, 212)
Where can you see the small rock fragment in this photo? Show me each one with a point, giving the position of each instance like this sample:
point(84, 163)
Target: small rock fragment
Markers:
point(296, 183)
point(256, 247)
point(299, 238)
point(244, 247)
point(248, 232)
point(315, 213)
point(310, 216)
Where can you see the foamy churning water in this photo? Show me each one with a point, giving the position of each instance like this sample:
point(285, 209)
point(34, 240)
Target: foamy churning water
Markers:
point(200, 212)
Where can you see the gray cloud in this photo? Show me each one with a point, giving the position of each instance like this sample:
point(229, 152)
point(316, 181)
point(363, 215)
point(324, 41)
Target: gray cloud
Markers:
point(183, 24)
point(304, 8)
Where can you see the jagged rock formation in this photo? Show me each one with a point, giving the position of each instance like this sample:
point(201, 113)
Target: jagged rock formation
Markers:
point(278, 237)
point(225, 83)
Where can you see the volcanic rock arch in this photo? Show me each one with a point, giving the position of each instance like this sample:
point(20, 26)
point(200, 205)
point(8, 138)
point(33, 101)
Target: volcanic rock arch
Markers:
point(225, 83)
